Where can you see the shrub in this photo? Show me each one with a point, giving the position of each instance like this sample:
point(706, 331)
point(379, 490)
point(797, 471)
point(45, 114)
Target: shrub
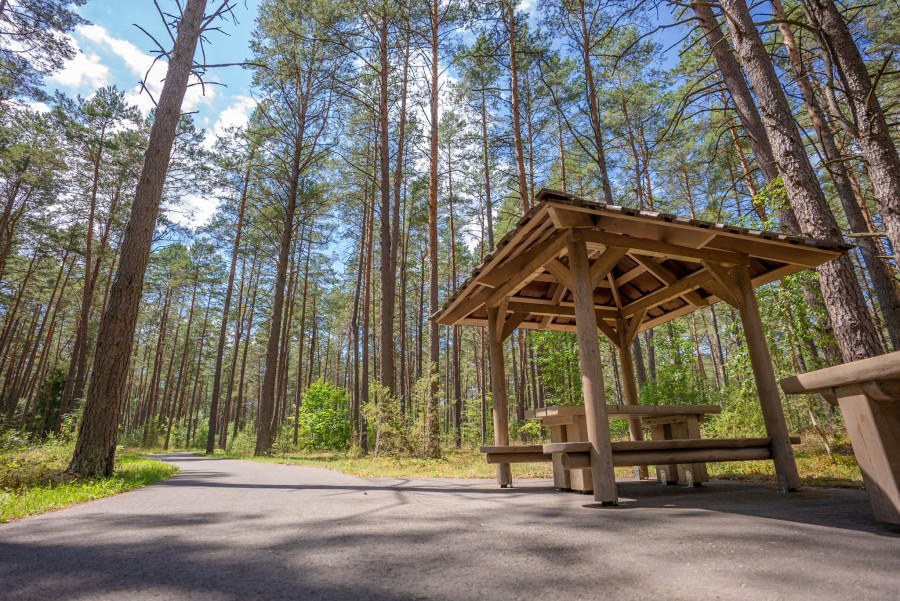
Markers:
point(324, 417)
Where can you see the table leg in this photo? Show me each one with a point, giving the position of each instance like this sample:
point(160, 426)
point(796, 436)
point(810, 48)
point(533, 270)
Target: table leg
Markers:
point(581, 480)
point(561, 479)
point(692, 427)
point(664, 432)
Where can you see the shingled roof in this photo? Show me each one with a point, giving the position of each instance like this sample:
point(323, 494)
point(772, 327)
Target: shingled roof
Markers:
point(672, 265)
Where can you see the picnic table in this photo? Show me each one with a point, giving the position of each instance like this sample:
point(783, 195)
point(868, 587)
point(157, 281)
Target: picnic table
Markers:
point(568, 424)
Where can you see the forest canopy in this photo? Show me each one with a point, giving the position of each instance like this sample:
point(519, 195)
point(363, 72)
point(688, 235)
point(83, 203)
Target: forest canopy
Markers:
point(390, 146)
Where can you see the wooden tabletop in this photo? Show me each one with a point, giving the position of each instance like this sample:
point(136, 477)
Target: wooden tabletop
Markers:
point(625, 411)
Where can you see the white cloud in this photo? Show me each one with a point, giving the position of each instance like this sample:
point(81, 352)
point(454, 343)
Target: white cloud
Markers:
point(236, 115)
point(192, 210)
point(84, 70)
point(139, 62)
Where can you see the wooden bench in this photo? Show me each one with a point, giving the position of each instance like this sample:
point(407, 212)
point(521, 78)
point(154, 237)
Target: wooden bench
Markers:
point(868, 393)
point(683, 451)
point(515, 453)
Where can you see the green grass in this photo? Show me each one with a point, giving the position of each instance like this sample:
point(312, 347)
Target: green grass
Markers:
point(33, 480)
point(812, 463)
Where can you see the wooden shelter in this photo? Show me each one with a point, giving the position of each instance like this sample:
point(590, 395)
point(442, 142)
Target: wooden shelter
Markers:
point(574, 265)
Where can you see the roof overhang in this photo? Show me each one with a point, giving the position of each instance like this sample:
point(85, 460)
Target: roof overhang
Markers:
point(664, 266)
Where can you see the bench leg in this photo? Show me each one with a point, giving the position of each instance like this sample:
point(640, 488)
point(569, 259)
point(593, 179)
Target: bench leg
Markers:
point(874, 429)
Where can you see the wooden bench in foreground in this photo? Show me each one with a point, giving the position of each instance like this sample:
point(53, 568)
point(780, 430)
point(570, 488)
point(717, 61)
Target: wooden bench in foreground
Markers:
point(868, 393)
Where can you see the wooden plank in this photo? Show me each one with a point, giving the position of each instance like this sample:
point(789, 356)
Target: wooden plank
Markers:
point(686, 443)
point(568, 219)
point(661, 421)
point(580, 479)
point(591, 364)
point(796, 254)
point(766, 388)
point(611, 334)
point(500, 459)
point(653, 247)
point(680, 456)
point(506, 248)
point(512, 448)
point(692, 426)
point(667, 472)
point(568, 447)
point(559, 420)
point(728, 290)
point(633, 325)
point(882, 367)
point(620, 411)
point(574, 461)
point(545, 307)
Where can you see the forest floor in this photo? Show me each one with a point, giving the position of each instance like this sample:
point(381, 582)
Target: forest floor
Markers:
point(33, 479)
point(225, 529)
point(813, 463)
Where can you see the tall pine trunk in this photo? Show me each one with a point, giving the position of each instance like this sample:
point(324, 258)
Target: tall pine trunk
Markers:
point(96, 445)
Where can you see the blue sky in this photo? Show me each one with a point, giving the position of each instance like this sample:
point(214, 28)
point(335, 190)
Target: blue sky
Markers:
point(115, 52)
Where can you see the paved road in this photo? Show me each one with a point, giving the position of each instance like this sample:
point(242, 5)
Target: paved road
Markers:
point(225, 529)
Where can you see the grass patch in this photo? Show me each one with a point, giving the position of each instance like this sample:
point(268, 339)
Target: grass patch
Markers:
point(33, 480)
point(812, 463)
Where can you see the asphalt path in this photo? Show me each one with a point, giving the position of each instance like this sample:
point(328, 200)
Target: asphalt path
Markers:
point(227, 529)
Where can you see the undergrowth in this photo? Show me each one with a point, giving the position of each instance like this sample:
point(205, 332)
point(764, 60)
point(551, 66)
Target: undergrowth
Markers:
point(33, 479)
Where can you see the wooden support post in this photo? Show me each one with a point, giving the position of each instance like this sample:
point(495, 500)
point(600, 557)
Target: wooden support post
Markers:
point(766, 387)
point(603, 474)
point(630, 395)
point(498, 391)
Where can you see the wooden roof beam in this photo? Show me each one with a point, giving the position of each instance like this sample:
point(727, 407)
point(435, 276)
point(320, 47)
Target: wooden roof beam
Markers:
point(667, 278)
point(649, 246)
point(695, 280)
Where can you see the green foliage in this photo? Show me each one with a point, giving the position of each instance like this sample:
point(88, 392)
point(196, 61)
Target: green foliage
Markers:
point(324, 417)
point(557, 356)
point(395, 433)
point(241, 445)
point(740, 418)
point(471, 426)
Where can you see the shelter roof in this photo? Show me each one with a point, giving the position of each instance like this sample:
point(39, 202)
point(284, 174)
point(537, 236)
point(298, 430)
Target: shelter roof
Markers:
point(664, 266)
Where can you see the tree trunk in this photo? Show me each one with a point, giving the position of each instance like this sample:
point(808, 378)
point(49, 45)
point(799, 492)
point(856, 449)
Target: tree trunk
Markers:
point(853, 327)
point(878, 271)
point(96, 445)
point(223, 328)
point(264, 434)
point(867, 123)
point(432, 429)
point(509, 18)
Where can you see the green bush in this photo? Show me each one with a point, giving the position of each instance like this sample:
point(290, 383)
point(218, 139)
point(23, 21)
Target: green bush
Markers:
point(742, 418)
point(324, 417)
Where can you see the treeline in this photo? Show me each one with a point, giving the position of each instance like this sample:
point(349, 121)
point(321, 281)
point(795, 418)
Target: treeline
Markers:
point(391, 147)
